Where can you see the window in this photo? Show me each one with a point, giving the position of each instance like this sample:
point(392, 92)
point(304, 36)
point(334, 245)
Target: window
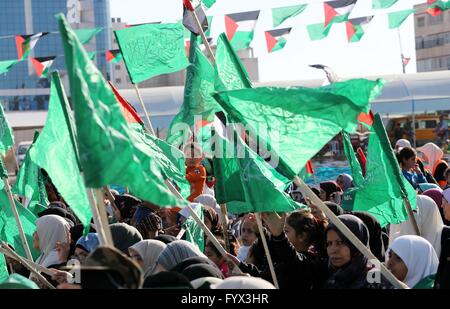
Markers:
point(118, 80)
point(420, 22)
point(435, 20)
point(430, 124)
point(419, 42)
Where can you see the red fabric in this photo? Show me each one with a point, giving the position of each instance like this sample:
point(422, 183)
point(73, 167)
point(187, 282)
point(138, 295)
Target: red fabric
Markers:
point(196, 175)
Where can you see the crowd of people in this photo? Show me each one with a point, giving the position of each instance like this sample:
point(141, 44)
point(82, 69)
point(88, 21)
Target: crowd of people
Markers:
point(307, 250)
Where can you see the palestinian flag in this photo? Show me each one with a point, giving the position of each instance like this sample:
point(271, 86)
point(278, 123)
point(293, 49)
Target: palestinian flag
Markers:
point(113, 55)
point(189, 22)
point(25, 43)
point(338, 11)
point(42, 64)
point(128, 111)
point(240, 28)
point(356, 28)
point(279, 15)
point(405, 60)
point(436, 7)
point(276, 39)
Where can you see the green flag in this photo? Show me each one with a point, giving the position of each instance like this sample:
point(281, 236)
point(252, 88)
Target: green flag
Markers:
point(91, 55)
point(109, 152)
point(6, 65)
point(382, 4)
point(397, 18)
point(30, 183)
point(54, 152)
point(198, 101)
point(297, 122)
point(318, 31)
point(357, 173)
point(382, 190)
point(85, 35)
point(6, 137)
point(9, 232)
point(194, 233)
point(152, 49)
point(279, 15)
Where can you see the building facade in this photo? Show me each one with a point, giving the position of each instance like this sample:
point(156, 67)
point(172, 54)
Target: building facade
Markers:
point(21, 89)
point(432, 40)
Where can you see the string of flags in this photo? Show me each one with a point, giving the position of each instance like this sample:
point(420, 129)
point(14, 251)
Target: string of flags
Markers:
point(240, 28)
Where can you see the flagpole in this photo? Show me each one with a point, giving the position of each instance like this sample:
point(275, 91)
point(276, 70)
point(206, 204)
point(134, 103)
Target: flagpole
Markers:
point(14, 210)
point(401, 50)
point(202, 33)
point(306, 191)
point(266, 249)
point(224, 212)
point(144, 108)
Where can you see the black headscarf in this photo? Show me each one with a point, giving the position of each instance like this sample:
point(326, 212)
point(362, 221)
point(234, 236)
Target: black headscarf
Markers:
point(353, 274)
point(127, 204)
point(335, 208)
point(330, 187)
point(167, 239)
point(167, 279)
point(374, 227)
point(124, 236)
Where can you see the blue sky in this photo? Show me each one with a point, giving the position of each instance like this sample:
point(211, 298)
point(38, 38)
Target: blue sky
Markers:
point(377, 53)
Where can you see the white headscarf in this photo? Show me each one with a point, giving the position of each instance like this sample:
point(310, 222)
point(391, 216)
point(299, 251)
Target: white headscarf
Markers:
point(433, 153)
point(149, 250)
point(429, 221)
point(402, 143)
point(418, 256)
point(243, 282)
point(50, 230)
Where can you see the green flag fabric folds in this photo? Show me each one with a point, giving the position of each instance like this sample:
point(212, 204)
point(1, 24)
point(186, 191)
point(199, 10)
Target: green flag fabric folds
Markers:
point(152, 49)
point(381, 192)
point(6, 137)
point(54, 151)
point(297, 122)
point(109, 152)
point(194, 233)
point(279, 15)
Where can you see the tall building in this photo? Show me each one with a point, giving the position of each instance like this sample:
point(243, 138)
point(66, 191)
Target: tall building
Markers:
point(432, 40)
point(21, 89)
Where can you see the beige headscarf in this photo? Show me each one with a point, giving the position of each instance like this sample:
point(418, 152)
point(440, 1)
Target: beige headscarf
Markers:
point(429, 221)
point(50, 230)
point(433, 154)
point(149, 250)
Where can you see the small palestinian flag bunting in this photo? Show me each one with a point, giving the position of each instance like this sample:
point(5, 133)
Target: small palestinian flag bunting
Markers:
point(6, 65)
point(382, 4)
point(113, 55)
point(128, 111)
point(42, 65)
point(279, 15)
point(396, 19)
point(338, 11)
point(240, 28)
point(318, 31)
point(189, 22)
point(436, 7)
point(405, 60)
point(356, 27)
point(276, 39)
point(25, 43)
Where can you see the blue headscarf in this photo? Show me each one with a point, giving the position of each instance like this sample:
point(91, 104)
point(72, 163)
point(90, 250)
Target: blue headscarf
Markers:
point(89, 242)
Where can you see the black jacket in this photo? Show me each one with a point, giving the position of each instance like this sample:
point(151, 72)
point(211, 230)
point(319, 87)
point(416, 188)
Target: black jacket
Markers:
point(443, 273)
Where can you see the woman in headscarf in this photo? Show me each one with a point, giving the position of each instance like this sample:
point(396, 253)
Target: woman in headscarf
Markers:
point(348, 266)
point(50, 231)
point(124, 236)
point(436, 195)
point(413, 261)
point(400, 144)
point(345, 181)
point(126, 206)
point(248, 235)
point(147, 222)
point(146, 253)
point(174, 253)
point(428, 220)
point(376, 236)
point(330, 191)
point(434, 156)
point(85, 245)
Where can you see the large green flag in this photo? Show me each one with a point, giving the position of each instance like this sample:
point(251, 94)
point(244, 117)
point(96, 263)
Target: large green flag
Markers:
point(279, 15)
point(54, 152)
point(6, 65)
point(6, 137)
point(382, 4)
point(9, 232)
point(85, 35)
point(297, 122)
point(318, 31)
point(152, 49)
point(30, 182)
point(198, 102)
point(396, 19)
point(109, 152)
point(382, 191)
